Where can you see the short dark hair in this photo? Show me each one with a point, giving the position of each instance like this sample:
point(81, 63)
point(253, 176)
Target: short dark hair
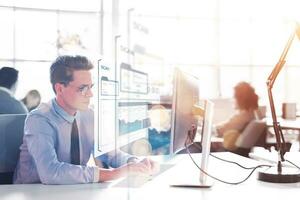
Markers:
point(8, 77)
point(245, 96)
point(61, 70)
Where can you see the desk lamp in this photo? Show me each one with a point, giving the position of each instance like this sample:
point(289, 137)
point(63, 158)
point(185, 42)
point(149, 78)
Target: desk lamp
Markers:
point(280, 174)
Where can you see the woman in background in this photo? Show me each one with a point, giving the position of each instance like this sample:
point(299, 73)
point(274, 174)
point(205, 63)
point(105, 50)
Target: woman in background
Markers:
point(246, 103)
point(32, 99)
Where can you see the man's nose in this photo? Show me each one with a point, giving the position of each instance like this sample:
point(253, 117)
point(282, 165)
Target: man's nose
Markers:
point(89, 93)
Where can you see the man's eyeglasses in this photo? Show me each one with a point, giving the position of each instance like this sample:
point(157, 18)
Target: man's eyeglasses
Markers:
point(83, 89)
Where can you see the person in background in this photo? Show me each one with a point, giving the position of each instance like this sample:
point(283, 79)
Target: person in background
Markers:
point(246, 104)
point(8, 84)
point(59, 135)
point(32, 99)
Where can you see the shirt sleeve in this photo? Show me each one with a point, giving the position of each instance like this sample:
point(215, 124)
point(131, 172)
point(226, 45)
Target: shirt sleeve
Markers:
point(40, 136)
point(96, 175)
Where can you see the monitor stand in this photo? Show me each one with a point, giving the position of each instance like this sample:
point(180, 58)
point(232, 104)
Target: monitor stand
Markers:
point(192, 184)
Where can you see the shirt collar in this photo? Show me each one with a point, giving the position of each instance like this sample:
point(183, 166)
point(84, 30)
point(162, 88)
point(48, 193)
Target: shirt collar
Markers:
point(6, 90)
point(62, 112)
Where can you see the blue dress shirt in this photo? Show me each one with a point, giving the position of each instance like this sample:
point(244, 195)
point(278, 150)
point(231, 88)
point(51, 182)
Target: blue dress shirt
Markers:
point(45, 153)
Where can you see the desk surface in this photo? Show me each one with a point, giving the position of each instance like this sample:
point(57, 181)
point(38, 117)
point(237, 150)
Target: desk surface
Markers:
point(158, 188)
point(285, 123)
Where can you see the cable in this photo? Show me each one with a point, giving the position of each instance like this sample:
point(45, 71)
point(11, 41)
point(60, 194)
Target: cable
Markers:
point(199, 147)
point(226, 182)
point(232, 162)
point(292, 164)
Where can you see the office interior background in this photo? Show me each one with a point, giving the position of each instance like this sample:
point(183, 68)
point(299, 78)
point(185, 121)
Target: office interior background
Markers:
point(220, 42)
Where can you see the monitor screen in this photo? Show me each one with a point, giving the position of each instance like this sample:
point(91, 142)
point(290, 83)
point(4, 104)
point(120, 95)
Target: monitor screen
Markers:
point(185, 96)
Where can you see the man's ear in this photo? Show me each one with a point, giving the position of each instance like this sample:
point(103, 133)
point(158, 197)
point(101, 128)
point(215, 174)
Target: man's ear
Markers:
point(58, 88)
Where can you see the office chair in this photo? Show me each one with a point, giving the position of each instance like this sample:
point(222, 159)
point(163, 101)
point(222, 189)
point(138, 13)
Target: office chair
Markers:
point(253, 135)
point(11, 136)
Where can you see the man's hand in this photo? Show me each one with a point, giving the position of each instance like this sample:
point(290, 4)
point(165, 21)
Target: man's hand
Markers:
point(145, 167)
point(153, 166)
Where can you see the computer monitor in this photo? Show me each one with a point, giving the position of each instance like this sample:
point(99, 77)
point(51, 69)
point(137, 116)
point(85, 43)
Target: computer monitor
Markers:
point(185, 96)
point(205, 139)
point(184, 123)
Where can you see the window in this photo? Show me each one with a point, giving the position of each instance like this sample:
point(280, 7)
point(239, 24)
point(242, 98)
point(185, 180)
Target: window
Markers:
point(213, 39)
point(78, 33)
point(7, 33)
point(34, 75)
point(34, 33)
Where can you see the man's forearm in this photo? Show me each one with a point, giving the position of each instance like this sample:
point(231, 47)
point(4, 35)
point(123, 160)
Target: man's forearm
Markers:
point(109, 174)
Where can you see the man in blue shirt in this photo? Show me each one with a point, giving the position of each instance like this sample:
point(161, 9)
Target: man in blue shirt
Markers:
point(58, 136)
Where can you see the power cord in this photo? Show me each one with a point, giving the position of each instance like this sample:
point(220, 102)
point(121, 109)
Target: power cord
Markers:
point(199, 147)
point(293, 164)
point(213, 177)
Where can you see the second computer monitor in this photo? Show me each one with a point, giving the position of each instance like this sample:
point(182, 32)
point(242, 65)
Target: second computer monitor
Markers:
point(185, 96)
point(185, 123)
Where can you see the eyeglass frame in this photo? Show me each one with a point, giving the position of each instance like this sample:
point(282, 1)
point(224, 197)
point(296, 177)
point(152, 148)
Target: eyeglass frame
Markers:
point(83, 89)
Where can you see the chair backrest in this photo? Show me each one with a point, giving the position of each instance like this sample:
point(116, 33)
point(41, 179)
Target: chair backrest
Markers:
point(252, 135)
point(11, 136)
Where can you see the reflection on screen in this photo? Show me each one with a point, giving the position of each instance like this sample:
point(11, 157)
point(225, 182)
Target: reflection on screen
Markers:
point(133, 81)
point(132, 118)
point(108, 87)
point(120, 118)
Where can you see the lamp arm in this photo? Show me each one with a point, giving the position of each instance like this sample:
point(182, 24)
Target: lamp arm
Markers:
point(272, 77)
point(280, 142)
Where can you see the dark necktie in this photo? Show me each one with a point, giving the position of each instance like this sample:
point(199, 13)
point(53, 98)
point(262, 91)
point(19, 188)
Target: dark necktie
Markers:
point(75, 152)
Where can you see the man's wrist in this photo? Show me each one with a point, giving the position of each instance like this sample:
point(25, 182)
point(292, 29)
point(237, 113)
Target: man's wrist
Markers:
point(109, 174)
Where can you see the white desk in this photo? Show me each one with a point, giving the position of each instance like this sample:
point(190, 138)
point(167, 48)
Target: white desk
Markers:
point(285, 124)
point(158, 188)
